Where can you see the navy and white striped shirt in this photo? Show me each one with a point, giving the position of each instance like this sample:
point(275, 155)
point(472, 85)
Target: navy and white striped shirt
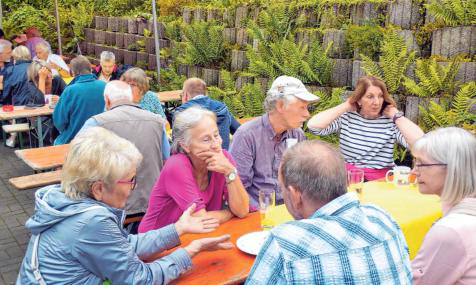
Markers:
point(365, 143)
point(343, 242)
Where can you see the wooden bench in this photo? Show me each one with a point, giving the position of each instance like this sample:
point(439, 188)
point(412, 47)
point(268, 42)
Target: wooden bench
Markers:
point(18, 128)
point(36, 180)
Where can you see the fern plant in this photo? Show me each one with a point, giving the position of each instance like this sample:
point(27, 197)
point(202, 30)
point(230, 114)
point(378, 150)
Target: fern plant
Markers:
point(453, 12)
point(204, 44)
point(454, 112)
point(434, 79)
point(393, 61)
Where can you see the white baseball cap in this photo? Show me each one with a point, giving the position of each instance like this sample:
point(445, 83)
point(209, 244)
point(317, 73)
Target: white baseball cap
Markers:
point(287, 85)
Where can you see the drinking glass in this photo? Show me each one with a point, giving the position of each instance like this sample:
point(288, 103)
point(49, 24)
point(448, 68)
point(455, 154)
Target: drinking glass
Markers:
point(355, 181)
point(266, 203)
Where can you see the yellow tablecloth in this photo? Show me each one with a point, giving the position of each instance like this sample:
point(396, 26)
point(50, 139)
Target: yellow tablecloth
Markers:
point(414, 212)
point(67, 80)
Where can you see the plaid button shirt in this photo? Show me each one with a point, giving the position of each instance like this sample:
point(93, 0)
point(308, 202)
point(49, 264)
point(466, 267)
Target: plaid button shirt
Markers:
point(341, 243)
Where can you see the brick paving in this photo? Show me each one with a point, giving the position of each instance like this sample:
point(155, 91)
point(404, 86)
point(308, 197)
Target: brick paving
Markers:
point(15, 208)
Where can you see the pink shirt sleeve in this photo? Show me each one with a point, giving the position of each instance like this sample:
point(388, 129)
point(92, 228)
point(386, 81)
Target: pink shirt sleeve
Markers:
point(442, 257)
point(181, 186)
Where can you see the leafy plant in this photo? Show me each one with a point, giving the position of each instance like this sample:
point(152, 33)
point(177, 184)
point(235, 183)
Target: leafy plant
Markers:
point(170, 80)
point(453, 112)
point(204, 44)
point(286, 57)
point(393, 61)
point(434, 79)
point(366, 39)
point(453, 12)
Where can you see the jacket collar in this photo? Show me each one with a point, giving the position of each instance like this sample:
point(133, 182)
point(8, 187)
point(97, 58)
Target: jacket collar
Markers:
point(83, 78)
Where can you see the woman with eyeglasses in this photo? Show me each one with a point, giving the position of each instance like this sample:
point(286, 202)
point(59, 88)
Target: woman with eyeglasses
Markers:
point(199, 171)
point(445, 165)
point(77, 235)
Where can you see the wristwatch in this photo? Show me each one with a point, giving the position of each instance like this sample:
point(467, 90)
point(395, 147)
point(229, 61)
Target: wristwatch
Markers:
point(231, 176)
point(397, 115)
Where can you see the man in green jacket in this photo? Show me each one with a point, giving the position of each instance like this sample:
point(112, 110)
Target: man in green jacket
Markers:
point(82, 99)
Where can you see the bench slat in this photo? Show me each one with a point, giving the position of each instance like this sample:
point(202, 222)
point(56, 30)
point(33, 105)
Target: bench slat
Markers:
point(15, 128)
point(36, 180)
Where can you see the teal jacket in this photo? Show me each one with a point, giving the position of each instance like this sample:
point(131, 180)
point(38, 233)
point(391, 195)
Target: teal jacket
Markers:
point(82, 99)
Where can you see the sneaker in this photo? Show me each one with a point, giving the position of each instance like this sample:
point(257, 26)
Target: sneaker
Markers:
point(11, 141)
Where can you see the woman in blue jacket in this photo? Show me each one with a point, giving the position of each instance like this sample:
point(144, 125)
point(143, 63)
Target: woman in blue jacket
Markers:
point(77, 235)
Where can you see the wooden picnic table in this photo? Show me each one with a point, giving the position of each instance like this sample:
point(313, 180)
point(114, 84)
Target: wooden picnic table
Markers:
point(21, 112)
point(169, 96)
point(414, 212)
point(44, 158)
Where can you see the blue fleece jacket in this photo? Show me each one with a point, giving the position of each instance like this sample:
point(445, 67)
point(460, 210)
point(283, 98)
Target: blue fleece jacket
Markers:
point(82, 99)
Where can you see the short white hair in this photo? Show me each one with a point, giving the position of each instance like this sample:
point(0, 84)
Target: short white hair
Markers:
point(456, 148)
point(4, 44)
point(96, 154)
point(118, 91)
point(44, 46)
point(107, 56)
point(184, 121)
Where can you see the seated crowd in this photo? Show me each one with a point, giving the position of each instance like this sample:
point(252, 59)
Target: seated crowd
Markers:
point(122, 164)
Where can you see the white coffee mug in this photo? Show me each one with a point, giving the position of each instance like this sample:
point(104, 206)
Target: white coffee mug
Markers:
point(401, 176)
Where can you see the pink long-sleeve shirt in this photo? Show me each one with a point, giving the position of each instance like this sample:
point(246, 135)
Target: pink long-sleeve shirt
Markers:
point(448, 252)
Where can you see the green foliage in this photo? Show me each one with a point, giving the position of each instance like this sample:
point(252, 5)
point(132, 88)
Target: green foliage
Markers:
point(26, 16)
point(173, 30)
point(286, 57)
point(434, 79)
point(454, 112)
point(204, 44)
point(393, 62)
point(453, 12)
point(170, 80)
point(366, 39)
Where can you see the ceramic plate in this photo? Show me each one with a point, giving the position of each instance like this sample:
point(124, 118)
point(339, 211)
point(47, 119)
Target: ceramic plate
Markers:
point(251, 243)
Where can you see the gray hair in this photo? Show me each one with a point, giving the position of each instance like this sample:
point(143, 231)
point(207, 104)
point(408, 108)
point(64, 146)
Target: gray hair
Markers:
point(80, 65)
point(269, 103)
point(138, 76)
point(184, 121)
point(456, 148)
point(44, 46)
point(33, 70)
point(96, 154)
point(4, 44)
point(107, 56)
point(315, 169)
point(117, 91)
point(21, 53)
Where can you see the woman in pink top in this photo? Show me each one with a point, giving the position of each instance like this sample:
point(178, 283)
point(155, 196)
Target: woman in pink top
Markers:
point(445, 165)
point(199, 171)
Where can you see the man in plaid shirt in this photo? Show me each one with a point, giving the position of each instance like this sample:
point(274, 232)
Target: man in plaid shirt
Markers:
point(334, 239)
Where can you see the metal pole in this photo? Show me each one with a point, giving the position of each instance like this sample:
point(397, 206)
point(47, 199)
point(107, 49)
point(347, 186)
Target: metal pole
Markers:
point(58, 27)
point(156, 40)
point(1, 15)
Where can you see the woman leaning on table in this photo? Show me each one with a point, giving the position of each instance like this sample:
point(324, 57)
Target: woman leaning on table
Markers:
point(368, 124)
point(199, 171)
point(445, 165)
point(77, 235)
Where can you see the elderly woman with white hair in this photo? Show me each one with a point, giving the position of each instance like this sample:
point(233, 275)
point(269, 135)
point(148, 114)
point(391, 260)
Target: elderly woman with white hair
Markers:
point(54, 61)
point(142, 96)
point(77, 235)
point(199, 171)
point(107, 70)
point(445, 165)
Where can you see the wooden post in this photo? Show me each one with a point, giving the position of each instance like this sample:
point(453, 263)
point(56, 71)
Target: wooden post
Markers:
point(58, 31)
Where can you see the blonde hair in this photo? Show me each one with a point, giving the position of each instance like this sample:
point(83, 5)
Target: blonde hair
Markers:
point(184, 121)
point(193, 87)
point(33, 70)
point(139, 77)
point(96, 154)
point(456, 148)
point(21, 53)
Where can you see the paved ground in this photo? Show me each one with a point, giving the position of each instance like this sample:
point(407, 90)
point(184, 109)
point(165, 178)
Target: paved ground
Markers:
point(15, 208)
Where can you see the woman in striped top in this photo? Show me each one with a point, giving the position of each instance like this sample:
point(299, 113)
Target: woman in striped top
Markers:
point(369, 124)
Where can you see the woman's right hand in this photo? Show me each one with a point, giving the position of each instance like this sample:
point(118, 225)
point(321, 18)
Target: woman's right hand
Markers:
point(350, 107)
point(208, 244)
point(43, 73)
point(195, 225)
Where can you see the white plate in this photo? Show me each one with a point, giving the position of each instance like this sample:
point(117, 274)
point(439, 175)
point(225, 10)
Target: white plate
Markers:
point(252, 242)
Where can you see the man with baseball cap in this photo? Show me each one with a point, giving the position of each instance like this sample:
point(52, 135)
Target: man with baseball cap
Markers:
point(258, 145)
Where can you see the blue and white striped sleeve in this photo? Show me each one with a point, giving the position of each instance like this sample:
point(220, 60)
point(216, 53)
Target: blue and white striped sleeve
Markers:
point(400, 138)
point(333, 127)
point(268, 267)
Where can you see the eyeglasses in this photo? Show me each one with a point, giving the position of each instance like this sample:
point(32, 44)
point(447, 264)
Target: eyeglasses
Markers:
point(132, 182)
point(419, 165)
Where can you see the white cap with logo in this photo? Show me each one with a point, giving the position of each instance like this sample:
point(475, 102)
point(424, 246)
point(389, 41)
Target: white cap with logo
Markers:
point(287, 85)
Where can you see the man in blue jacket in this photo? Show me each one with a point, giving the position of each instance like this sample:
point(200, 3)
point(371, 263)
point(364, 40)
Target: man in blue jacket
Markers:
point(194, 93)
point(81, 99)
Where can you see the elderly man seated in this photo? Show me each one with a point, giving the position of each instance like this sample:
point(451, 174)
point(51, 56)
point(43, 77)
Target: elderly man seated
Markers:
point(335, 239)
point(194, 93)
point(54, 61)
point(144, 129)
point(258, 145)
point(107, 70)
point(81, 99)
